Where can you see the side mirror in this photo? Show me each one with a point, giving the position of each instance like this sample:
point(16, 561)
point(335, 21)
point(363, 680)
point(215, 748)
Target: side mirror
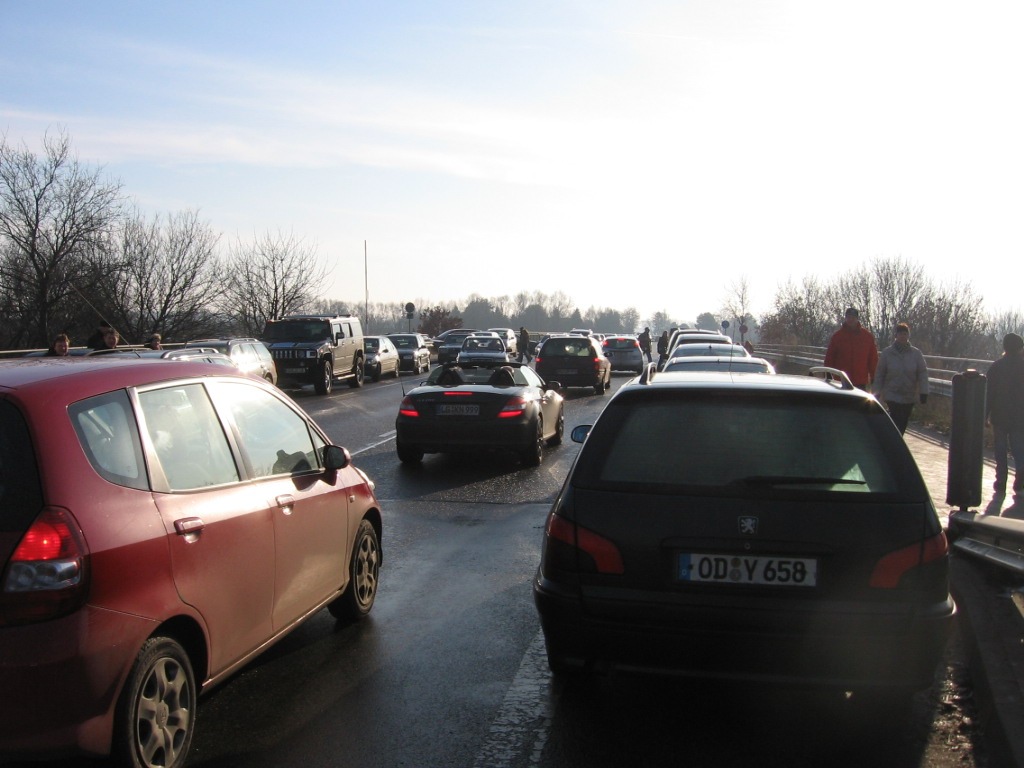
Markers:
point(553, 385)
point(336, 457)
point(579, 434)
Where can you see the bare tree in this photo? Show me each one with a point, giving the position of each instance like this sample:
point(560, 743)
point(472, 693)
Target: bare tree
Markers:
point(803, 314)
point(736, 306)
point(55, 213)
point(273, 276)
point(168, 278)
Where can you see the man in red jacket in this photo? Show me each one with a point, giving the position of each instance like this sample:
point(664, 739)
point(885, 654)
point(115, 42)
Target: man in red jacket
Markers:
point(852, 349)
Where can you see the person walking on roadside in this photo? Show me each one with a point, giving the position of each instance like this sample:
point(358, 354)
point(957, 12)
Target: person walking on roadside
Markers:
point(852, 349)
point(645, 343)
point(524, 345)
point(901, 378)
point(1004, 410)
point(662, 349)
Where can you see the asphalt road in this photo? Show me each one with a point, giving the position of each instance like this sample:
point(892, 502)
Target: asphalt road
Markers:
point(449, 668)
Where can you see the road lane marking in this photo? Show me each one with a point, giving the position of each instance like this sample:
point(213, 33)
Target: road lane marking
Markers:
point(523, 723)
point(388, 437)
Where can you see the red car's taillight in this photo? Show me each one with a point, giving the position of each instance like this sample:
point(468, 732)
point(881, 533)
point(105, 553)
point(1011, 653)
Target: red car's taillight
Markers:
point(408, 408)
point(47, 576)
point(603, 552)
point(895, 565)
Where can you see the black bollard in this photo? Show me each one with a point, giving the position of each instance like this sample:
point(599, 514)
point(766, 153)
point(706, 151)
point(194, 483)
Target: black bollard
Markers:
point(963, 480)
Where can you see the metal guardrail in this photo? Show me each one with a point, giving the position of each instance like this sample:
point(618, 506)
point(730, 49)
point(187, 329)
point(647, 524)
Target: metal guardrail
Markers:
point(941, 369)
point(998, 540)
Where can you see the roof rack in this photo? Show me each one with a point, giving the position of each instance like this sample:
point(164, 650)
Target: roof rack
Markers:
point(647, 374)
point(832, 374)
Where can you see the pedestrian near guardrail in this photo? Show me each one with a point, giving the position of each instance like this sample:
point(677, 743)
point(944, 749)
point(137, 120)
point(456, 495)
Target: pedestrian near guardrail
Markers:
point(901, 378)
point(852, 349)
point(1004, 410)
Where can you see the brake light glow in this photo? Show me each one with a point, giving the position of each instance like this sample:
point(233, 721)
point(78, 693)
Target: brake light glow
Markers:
point(514, 408)
point(408, 408)
point(605, 554)
point(891, 568)
point(46, 576)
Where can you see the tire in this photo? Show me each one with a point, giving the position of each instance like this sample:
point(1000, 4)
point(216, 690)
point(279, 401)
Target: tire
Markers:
point(556, 439)
point(376, 373)
point(408, 454)
point(599, 387)
point(533, 453)
point(325, 383)
point(358, 375)
point(364, 570)
point(396, 372)
point(156, 714)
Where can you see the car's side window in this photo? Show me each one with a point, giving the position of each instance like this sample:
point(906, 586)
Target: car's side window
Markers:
point(275, 439)
point(109, 436)
point(187, 437)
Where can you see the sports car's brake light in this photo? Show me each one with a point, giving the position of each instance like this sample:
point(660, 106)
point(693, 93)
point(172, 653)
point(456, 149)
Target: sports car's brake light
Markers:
point(606, 556)
point(891, 568)
point(46, 577)
point(515, 407)
point(458, 393)
point(408, 408)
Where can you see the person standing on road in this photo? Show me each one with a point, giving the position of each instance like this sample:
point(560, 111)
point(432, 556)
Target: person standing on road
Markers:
point(524, 345)
point(645, 343)
point(901, 378)
point(662, 349)
point(1004, 410)
point(852, 349)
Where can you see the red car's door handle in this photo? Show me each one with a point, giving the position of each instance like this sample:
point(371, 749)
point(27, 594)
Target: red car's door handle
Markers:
point(285, 502)
point(189, 525)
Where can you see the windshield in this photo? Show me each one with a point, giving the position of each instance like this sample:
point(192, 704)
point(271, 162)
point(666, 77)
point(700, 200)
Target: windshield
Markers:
point(297, 330)
point(735, 443)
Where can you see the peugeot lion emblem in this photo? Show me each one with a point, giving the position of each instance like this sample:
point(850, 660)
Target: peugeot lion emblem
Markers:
point(748, 525)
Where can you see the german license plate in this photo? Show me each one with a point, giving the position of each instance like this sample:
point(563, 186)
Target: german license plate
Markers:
point(767, 570)
point(294, 370)
point(565, 371)
point(458, 409)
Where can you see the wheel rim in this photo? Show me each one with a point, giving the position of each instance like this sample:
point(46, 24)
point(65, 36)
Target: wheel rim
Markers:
point(163, 716)
point(327, 376)
point(367, 567)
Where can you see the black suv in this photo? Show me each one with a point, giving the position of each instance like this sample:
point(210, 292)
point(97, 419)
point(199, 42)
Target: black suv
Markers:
point(575, 361)
point(746, 527)
point(316, 349)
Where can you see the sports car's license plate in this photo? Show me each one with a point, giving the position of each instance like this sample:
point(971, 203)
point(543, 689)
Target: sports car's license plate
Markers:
point(770, 570)
point(448, 409)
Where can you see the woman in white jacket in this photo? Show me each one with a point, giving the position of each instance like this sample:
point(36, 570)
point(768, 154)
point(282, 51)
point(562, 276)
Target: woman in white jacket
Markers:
point(901, 378)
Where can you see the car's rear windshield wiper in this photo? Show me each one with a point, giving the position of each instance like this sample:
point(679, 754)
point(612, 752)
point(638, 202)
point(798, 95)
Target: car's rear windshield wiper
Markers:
point(795, 480)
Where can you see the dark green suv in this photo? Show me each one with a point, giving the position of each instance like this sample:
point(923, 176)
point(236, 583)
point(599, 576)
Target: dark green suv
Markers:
point(316, 349)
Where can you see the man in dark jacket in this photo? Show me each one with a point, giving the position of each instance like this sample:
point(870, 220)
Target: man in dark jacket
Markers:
point(852, 349)
point(1004, 410)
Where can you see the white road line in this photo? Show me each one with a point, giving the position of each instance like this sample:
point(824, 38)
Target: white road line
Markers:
point(388, 437)
point(524, 720)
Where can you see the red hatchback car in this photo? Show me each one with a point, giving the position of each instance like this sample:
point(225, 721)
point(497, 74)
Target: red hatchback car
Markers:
point(161, 523)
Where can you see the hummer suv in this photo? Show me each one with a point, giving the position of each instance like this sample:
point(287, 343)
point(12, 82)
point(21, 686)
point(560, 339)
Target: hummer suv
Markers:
point(316, 349)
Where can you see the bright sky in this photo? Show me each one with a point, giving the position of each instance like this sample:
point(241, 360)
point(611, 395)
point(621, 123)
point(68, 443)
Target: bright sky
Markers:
point(629, 153)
